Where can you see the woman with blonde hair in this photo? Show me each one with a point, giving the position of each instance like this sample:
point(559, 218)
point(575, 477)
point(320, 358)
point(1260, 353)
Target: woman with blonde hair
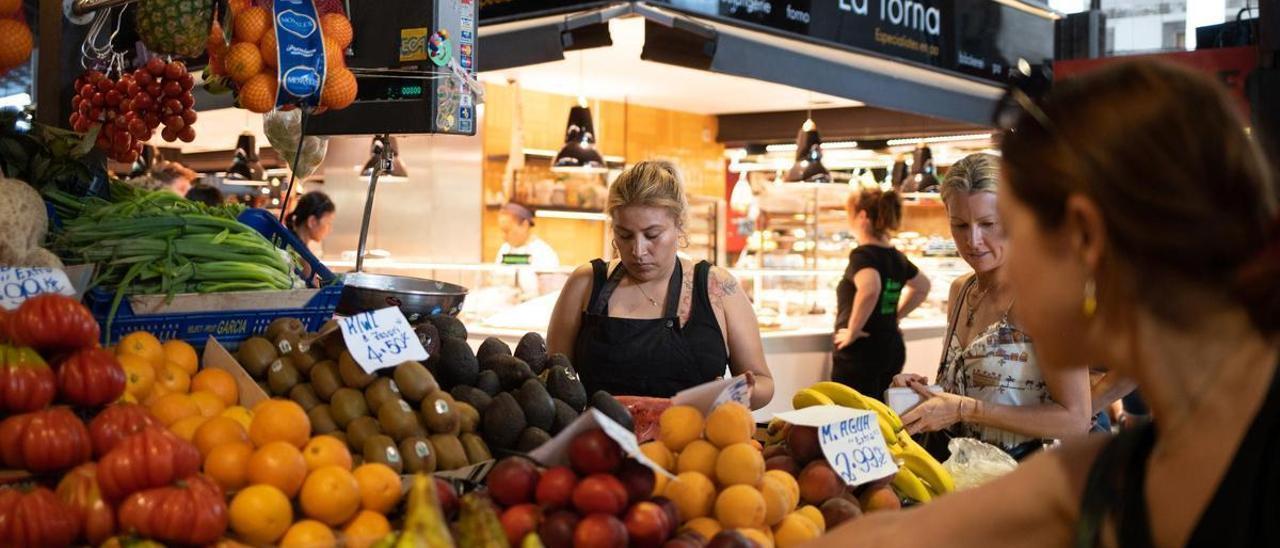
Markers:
point(652, 323)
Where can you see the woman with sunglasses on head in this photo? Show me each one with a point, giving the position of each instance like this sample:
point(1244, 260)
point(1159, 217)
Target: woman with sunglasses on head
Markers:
point(993, 386)
point(653, 323)
point(1104, 176)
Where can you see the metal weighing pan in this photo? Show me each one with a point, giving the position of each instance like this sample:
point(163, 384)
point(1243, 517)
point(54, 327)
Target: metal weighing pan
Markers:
point(416, 297)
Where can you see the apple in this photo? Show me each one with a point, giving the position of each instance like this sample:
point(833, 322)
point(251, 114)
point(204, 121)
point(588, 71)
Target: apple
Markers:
point(638, 479)
point(594, 452)
point(803, 443)
point(556, 531)
point(784, 463)
point(513, 481)
point(600, 531)
point(520, 520)
point(600, 494)
point(447, 497)
point(555, 489)
point(648, 525)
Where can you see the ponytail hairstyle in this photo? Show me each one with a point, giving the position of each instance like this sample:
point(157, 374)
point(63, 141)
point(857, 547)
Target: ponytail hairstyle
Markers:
point(883, 208)
point(312, 204)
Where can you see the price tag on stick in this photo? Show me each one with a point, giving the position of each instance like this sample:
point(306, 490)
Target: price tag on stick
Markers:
point(851, 441)
point(17, 284)
point(381, 339)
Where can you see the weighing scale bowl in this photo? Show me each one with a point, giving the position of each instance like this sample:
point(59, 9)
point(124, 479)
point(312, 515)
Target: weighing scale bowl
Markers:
point(418, 298)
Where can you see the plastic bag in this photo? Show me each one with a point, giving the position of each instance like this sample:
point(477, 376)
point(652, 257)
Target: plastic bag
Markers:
point(644, 414)
point(974, 463)
point(283, 130)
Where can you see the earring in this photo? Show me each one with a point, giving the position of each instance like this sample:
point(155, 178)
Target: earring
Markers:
point(683, 242)
point(1090, 304)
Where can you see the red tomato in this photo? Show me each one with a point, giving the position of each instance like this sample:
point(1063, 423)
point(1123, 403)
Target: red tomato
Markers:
point(4, 325)
point(26, 383)
point(79, 491)
point(35, 518)
point(191, 512)
point(154, 457)
point(116, 423)
point(44, 441)
point(91, 377)
point(52, 321)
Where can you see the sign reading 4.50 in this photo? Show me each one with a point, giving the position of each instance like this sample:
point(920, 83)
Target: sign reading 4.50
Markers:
point(380, 339)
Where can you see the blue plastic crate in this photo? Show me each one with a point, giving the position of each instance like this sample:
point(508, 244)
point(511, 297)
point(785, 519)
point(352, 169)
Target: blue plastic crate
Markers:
point(229, 327)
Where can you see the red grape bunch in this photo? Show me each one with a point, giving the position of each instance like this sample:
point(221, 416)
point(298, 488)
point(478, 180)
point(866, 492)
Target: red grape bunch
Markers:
point(131, 106)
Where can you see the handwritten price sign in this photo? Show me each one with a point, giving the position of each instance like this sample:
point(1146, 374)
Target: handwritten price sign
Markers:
point(381, 339)
point(850, 439)
point(737, 391)
point(18, 284)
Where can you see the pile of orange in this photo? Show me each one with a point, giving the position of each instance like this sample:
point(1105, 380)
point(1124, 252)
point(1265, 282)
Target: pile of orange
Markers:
point(251, 60)
point(15, 36)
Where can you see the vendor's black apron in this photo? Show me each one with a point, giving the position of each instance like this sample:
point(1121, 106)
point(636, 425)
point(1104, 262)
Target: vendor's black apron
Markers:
point(654, 358)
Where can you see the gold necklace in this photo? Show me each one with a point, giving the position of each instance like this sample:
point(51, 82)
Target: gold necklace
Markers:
point(645, 293)
point(973, 306)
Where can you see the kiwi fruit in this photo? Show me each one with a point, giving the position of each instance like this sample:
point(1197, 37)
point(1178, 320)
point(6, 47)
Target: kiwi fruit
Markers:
point(414, 381)
point(321, 420)
point(325, 380)
point(399, 421)
point(468, 417)
point(347, 404)
point(332, 344)
point(255, 355)
point(472, 395)
point(302, 394)
point(532, 438)
point(491, 346)
point(440, 413)
point(449, 326)
point(282, 376)
point(487, 381)
point(286, 343)
point(450, 454)
point(418, 455)
point(383, 449)
point(302, 361)
point(340, 435)
point(361, 429)
point(533, 350)
point(281, 326)
point(379, 392)
point(263, 386)
point(474, 448)
point(565, 415)
point(353, 376)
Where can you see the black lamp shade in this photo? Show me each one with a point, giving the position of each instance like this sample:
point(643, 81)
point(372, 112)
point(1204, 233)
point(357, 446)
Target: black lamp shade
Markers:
point(579, 151)
point(147, 160)
point(808, 167)
point(244, 164)
point(393, 168)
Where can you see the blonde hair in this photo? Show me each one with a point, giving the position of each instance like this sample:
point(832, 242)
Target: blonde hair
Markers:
point(978, 172)
point(651, 183)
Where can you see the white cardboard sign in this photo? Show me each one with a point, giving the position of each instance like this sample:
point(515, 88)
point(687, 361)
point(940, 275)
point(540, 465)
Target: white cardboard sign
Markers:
point(850, 439)
point(17, 284)
point(556, 451)
point(381, 338)
point(708, 396)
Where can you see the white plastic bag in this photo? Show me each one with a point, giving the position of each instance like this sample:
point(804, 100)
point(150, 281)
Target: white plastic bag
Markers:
point(284, 132)
point(974, 463)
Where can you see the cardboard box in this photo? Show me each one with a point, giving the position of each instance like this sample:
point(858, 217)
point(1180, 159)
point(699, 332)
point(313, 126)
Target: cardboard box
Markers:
point(216, 356)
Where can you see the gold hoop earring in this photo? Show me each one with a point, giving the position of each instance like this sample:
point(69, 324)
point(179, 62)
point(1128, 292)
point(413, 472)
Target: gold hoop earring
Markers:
point(683, 242)
point(1090, 304)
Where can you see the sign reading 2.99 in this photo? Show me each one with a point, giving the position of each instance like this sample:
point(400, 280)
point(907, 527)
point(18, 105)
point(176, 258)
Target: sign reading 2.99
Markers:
point(856, 450)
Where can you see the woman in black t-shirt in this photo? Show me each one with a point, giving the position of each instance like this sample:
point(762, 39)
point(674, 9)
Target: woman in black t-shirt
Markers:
point(879, 286)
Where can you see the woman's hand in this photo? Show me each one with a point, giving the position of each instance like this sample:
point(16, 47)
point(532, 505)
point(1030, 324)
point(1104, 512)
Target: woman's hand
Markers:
point(905, 379)
point(935, 412)
point(845, 338)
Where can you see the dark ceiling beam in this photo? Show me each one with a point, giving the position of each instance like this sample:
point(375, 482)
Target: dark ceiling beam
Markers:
point(836, 124)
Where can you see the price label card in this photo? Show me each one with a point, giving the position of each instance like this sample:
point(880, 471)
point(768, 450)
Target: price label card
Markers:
point(737, 391)
point(17, 284)
point(851, 441)
point(380, 339)
point(708, 396)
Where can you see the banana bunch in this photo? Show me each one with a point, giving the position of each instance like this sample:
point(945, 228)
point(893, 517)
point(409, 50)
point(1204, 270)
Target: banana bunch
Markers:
point(920, 477)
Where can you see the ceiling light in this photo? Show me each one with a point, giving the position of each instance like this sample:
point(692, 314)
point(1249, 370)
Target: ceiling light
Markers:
point(245, 168)
point(575, 215)
point(808, 166)
point(579, 153)
point(938, 139)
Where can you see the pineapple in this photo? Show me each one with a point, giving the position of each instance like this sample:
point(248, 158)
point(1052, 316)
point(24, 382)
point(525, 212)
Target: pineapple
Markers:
point(174, 27)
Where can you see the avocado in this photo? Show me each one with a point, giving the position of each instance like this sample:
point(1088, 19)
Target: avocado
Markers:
point(418, 455)
point(414, 381)
point(325, 380)
point(399, 421)
point(511, 371)
point(487, 381)
point(282, 377)
point(255, 355)
point(472, 395)
point(302, 394)
point(347, 404)
point(531, 439)
point(449, 326)
point(468, 417)
point(606, 403)
point(280, 326)
point(321, 420)
point(539, 412)
point(382, 390)
point(353, 376)
point(533, 350)
point(477, 452)
point(565, 415)
point(563, 384)
point(383, 449)
point(491, 346)
point(503, 422)
point(457, 363)
point(449, 452)
point(440, 413)
point(428, 336)
point(361, 429)
point(559, 359)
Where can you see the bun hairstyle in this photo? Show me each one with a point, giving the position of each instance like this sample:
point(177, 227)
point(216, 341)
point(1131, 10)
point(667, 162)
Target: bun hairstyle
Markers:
point(312, 204)
point(883, 207)
point(1185, 194)
point(651, 183)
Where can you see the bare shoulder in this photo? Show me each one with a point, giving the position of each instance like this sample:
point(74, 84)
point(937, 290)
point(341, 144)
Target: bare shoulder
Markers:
point(721, 283)
point(958, 283)
point(578, 286)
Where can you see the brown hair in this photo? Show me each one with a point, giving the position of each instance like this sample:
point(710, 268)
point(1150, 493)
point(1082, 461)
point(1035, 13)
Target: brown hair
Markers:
point(651, 183)
point(1185, 194)
point(883, 207)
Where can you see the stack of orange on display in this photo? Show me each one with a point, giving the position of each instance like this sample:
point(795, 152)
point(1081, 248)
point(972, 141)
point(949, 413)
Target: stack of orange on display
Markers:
point(16, 40)
point(250, 61)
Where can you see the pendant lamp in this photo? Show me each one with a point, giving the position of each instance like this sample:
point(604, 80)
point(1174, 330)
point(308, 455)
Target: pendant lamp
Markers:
point(245, 168)
point(579, 154)
point(741, 198)
point(390, 168)
point(808, 167)
point(147, 160)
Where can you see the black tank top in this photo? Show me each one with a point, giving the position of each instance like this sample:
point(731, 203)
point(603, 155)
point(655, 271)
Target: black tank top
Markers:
point(656, 357)
point(1244, 511)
